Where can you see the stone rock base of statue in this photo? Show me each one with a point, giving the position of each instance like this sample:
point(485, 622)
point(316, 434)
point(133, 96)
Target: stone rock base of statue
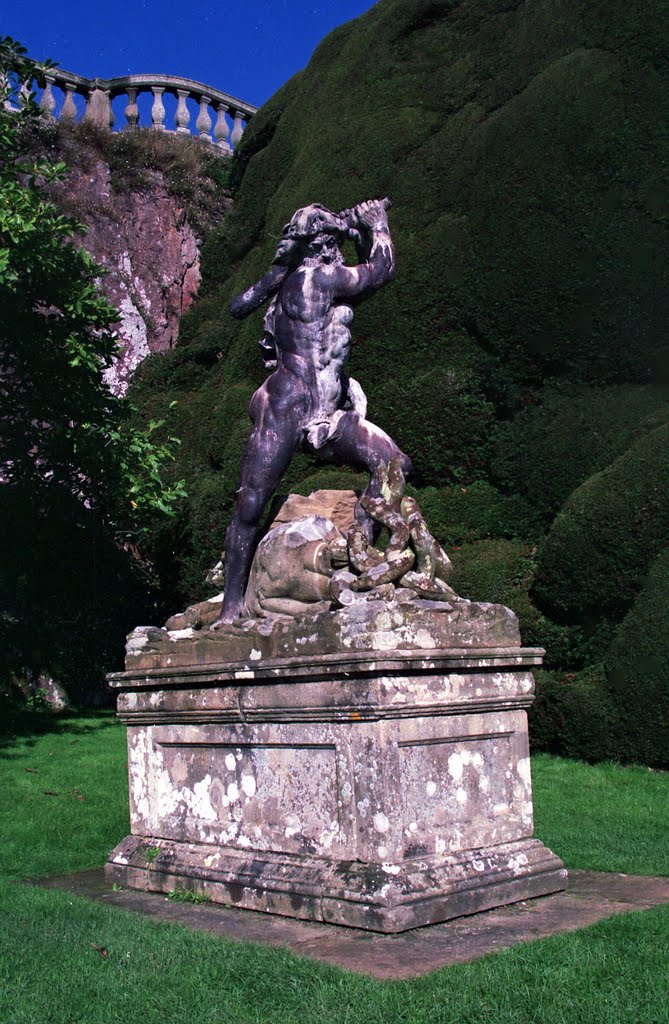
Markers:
point(383, 783)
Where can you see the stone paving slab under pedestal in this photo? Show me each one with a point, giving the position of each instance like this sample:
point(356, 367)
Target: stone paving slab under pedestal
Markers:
point(591, 897)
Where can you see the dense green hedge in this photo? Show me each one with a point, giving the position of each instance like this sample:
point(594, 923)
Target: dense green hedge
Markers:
point(573, 431)
point(600, 546)
point(520, 349)
point(573, 715)
point(637, 670)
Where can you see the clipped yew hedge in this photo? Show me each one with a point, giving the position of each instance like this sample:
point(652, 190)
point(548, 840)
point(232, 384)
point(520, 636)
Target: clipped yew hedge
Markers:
point(519, 357)
point(599, 548)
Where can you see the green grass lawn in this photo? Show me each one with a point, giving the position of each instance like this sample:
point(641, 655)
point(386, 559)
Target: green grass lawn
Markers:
point(63, 805)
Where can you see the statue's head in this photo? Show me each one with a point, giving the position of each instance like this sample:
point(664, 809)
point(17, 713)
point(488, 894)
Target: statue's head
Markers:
point(310, 226)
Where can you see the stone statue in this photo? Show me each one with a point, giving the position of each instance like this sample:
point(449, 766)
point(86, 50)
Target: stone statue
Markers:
point(351, 746)
point(308, 400)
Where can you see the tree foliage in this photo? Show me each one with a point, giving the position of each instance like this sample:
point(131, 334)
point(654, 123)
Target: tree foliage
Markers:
point(78, 480)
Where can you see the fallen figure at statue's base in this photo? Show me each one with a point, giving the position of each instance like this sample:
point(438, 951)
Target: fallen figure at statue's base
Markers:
point(317, 587)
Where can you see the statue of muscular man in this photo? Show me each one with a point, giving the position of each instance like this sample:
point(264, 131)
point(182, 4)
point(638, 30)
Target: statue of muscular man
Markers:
point(308, 401)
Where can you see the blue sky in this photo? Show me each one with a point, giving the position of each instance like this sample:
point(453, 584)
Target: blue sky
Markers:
point(248, 48)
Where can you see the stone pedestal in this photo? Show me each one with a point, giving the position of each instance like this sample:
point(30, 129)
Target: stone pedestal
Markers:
point(376, 789)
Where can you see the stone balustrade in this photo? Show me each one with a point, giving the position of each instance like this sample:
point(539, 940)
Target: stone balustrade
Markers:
point(216, 110)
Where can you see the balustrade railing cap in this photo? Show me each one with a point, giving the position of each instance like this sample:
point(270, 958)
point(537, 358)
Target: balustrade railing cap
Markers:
point(170, 82)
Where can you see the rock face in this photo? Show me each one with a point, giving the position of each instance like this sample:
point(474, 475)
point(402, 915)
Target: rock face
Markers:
point(406, 623)
point(144, 201)
point(337, 506)
point(150, 251)
point(302, 595)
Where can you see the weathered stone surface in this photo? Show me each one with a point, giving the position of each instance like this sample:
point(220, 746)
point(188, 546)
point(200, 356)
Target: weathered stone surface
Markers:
point(43, 688)
point(365, 765)
point(292, 568)
point(98, 108)
point(335, 506)
point(306, 565)
point(377, 790)
point(53, 693)
point(309, 401)
point(196, 617)
point(145, 242)
point(338, 506)
point(408, 623)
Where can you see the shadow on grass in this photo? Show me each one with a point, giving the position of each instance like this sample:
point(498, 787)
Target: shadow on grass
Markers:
point(28, 726)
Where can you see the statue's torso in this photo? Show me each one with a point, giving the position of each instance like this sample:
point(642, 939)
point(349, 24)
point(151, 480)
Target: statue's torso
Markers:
point(312, 338)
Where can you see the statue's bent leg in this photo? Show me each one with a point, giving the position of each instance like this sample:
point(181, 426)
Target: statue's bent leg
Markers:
point(361, 443)
point(265, 460)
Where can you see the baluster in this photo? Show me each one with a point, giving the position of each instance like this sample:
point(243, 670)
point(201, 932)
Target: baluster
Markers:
point(98, 107)
point(221, 129)
point(158, 110)
point(182, 115)
point(132, 110)
point(203, 123)
point(47, 103)
point(68, 111)
point(24, 92)
point(238, 129)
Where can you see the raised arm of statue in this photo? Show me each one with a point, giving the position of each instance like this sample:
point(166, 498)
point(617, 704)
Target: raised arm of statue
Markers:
point(379, 268)
point(259, 292)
